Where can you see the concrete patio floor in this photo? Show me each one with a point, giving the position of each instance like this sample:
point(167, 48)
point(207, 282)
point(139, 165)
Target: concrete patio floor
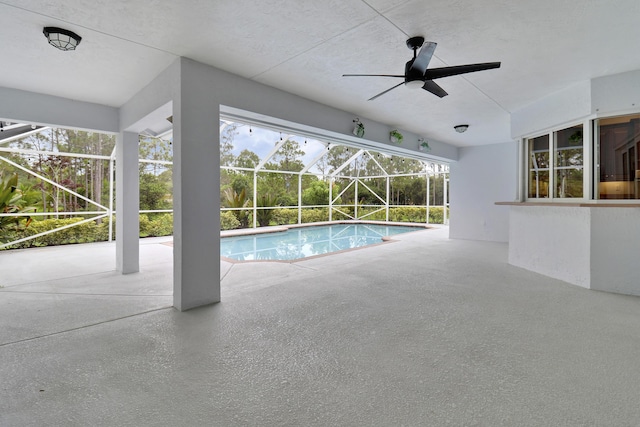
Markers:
point(420, 331)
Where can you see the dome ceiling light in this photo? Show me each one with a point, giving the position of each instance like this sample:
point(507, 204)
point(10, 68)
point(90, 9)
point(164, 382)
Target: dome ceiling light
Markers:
point(61, 38)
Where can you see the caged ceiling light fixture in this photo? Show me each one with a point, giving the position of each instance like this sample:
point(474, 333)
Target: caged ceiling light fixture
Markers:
point(61, 38)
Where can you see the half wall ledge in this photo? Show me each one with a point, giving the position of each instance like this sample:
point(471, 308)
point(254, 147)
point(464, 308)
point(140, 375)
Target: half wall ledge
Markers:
point(572, 204)
point(579, 243)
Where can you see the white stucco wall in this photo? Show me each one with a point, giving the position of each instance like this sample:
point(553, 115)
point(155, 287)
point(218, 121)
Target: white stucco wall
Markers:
point(588, 246)
point(615, 250)
point(554, 241)
point(482, 176)
point(619, 93)
point(565, 106)
point(21, 106)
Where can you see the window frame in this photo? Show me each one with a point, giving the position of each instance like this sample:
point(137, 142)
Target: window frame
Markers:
point(587, 169)
point(595, 146)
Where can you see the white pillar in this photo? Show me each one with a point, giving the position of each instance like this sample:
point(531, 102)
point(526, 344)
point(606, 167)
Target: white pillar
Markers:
point(330, 197)
point(355, 203)
point(127, 203)
point(428, 195)
point(196, 193)
point(387, 200)
point(445, 179)
point(299, 198)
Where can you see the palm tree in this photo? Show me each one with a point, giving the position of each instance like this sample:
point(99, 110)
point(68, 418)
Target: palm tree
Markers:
point(264, 215)
point(238, 201)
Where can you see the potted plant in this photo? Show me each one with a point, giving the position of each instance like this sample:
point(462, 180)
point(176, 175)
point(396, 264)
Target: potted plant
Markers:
point(396, 137)
point(424, 145)
point(358, 129)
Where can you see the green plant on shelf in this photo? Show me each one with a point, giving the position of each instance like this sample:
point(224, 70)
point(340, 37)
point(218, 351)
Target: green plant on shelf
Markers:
point(358, 129)
point(396, 137)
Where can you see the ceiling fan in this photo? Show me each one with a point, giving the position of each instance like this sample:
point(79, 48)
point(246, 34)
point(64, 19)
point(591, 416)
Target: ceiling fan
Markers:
point(416, 73)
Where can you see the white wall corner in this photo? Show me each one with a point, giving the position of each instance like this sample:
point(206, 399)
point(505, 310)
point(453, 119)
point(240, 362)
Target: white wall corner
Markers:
point(155, 98)
point(482, 176)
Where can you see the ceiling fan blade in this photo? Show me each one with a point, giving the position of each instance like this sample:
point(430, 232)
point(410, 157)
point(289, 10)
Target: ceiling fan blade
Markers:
point(382, 93)
point(421, 62)
point(434, 88)
point(436, 73)
point(373, 75)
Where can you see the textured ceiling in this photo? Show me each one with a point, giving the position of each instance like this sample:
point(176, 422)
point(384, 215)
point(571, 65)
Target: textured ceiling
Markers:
point(304, 47)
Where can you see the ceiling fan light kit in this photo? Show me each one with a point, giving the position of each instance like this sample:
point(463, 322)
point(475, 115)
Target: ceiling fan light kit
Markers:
point(416, 74)
point(61, 38)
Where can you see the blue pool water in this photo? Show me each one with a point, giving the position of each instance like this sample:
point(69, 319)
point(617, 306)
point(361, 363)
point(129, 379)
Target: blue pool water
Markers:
point(306, 241)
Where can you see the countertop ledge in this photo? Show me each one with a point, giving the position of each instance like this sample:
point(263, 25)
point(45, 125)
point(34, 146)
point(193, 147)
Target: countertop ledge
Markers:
point(571, 205)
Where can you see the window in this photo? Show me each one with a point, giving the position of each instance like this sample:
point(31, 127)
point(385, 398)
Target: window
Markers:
point(618, 148)
point(559, 166)
point(555, 168)
point(538, 169)
point(568, 166)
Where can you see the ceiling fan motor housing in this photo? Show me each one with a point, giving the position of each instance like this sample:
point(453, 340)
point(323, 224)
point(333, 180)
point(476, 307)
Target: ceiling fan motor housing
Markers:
point(415, 43)
point(412, 75)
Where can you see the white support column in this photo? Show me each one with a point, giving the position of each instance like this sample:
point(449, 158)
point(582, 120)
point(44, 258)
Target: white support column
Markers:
point(355, 202)
point(111, 190)
point(445, 179)
point(330, 198)
point(300, 198)
point(127, 203)
point(588, 155)
point(387, 203)
point(428, 194)
point(255, 199)
point(196, 194)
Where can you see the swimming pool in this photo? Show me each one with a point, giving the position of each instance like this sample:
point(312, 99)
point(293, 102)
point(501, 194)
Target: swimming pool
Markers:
point(302, 242)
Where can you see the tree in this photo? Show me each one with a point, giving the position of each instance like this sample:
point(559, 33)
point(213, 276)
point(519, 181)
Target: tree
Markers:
point(226, 143)
point(334, 158)
point(289, 156)
point(247, 159)
point(263, 216)
point(153, 192)
point(240, 183)
point(154, 149)
point(318, 193)
point(283, 186)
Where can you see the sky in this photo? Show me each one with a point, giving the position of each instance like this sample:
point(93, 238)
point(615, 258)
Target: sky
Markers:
point(261, 141)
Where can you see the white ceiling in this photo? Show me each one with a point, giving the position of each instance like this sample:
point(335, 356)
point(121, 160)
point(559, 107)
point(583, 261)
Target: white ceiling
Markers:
point(304, 47)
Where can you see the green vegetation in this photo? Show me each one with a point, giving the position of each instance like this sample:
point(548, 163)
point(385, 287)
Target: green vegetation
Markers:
point(151, 225)
point(264, 215)
point(228, 221)
point(238, 201)
point(84, 186)
point(13, 202)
